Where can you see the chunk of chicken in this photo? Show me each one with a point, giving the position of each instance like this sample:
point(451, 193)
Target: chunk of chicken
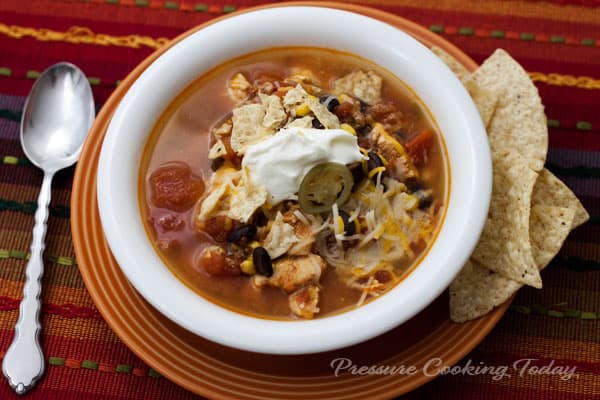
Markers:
point(305, 234)
point(293, 272)
point(400, 164)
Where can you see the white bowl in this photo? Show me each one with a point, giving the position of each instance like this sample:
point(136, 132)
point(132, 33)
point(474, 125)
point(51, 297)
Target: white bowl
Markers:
point(432, 81)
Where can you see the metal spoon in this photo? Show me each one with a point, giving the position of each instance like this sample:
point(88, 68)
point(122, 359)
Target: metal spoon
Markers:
point(57, 116)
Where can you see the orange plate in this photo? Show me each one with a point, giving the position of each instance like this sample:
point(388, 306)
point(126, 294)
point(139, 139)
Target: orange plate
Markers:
point(213, 370)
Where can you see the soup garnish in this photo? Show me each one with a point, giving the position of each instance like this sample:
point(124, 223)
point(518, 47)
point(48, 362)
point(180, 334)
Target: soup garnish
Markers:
point(326, 184)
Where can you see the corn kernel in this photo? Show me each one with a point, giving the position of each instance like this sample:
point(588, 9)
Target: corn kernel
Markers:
point(247, 267)
point(357, 226)
point(340, 224)
point(348, 128)
point(343, 98)
point(254, 244)
point(410, 202)
point(302, 110)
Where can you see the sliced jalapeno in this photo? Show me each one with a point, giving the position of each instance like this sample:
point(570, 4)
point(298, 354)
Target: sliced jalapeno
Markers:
point(324, 185)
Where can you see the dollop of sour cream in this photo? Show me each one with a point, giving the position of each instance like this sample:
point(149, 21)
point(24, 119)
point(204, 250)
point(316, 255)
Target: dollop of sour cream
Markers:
point(280, 162)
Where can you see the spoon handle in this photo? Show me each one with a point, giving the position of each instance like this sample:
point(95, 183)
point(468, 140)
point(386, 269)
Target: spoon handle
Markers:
point(23, 363)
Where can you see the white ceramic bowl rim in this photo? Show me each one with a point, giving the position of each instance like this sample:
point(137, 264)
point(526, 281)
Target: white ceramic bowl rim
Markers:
point(385, 45)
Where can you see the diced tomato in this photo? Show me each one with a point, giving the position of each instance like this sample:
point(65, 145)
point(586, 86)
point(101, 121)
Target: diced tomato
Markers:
point(344, 110)
point(218, 227)
point(174, 187)
point(383, 276)
point(216, 262)
point(418, 147)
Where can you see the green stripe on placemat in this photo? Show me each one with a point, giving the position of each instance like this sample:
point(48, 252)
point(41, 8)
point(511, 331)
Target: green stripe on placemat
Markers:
point(527, 36)
point(11, 115)
point(123, 369)
point(89, 364)
point(93, 365)
point(154, 374)
point(23, 255)
point(554, 312)
point(29, 207)
point(578, 264)
point(588, 42)
point(466, 31)
point(56, 361)
point(577, 171)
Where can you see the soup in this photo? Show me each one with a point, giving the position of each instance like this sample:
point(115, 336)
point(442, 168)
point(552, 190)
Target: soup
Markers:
point(293, 183)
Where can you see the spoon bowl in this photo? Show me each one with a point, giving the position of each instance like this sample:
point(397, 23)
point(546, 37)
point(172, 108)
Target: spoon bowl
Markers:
point(57, 116)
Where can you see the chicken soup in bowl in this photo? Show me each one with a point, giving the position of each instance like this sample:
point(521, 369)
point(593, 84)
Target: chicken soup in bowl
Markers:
point(288, 188)
point(294, 183)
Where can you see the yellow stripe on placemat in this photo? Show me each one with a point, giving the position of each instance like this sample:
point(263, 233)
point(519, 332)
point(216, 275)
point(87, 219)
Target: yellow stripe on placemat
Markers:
point(581, 82)
point(81, 35)
point(52, 294)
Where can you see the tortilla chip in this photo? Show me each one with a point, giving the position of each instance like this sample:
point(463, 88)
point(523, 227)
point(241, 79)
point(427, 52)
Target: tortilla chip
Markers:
point(298, 95)
point(275, 115)
point(455, 66)
point(485, 100)
point(247, 127)
point(364, 86)
point(504, 245)
point(304, 122)
point(549, 226)
point(549, 190)
point(246, 198)
point(477, 290)
point(519, 122)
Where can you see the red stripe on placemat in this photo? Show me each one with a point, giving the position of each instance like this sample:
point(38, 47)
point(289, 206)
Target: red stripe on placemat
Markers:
point(64, 310)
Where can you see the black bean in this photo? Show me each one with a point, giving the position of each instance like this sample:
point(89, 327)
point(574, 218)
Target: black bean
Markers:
point(413, 184)
point(425, 197)
point(260, 219)
point(245, 231)
point(364, 130)
point(332, 105)
point(217, 163)
point(349, 227)
point(317, 124)
point(331, 102)
point(364, 107)
point(375, 160)
point(262, 261)
point(358, 173)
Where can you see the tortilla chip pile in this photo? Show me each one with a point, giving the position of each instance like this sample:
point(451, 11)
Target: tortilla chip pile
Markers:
point(531, 210)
